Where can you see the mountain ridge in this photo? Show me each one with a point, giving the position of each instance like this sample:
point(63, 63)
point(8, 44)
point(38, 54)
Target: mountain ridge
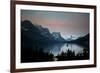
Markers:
point(39, 33)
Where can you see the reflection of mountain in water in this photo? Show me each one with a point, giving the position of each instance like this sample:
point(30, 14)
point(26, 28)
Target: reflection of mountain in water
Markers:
point(55, 49)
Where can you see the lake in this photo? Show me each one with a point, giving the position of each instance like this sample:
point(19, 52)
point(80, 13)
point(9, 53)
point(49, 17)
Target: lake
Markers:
point(55, 52)
point(56, 49)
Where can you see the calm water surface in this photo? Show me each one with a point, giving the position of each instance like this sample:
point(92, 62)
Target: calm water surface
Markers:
point(56, 49)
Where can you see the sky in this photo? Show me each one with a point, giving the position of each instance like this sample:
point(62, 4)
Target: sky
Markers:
point(67, 23)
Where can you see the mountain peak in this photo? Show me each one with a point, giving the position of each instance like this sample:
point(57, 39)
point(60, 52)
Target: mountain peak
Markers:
point(38, 32)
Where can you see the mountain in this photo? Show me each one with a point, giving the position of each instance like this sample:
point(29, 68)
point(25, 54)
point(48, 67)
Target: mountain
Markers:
point(34, 33)
point(82, 40)
point(57, 36)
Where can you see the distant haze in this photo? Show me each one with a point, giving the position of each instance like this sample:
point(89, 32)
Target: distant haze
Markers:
point(67, 23)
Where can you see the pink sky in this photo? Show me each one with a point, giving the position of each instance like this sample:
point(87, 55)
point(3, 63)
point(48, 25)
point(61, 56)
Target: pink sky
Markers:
point(67, 23)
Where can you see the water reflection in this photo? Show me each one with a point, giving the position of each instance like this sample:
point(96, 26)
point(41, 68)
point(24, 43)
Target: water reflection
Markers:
point(56, 49)
point(54, 52)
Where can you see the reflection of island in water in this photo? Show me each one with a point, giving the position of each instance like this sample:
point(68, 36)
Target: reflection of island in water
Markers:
point(38, 45)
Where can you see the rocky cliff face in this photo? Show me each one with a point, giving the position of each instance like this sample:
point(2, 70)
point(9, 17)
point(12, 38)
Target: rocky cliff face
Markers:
point(36, 33)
